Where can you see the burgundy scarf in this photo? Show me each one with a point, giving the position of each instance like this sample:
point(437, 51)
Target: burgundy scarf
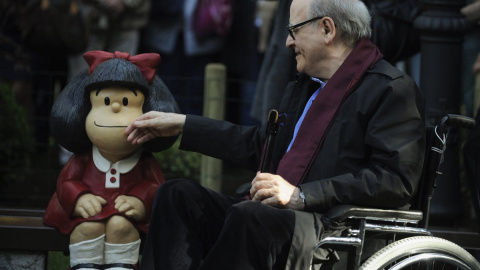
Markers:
point(295, 163)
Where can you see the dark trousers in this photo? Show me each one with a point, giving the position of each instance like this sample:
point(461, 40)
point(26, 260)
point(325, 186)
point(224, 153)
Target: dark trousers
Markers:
point(193, 227)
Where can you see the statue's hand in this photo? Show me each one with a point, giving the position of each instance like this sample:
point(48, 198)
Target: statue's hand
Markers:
point(88, 205)
point(131, 206)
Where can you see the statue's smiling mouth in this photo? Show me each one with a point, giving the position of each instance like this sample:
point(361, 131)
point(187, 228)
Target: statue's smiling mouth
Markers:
point(94, 122)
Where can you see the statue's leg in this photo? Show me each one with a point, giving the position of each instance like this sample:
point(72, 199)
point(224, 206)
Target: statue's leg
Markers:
point(122, 244)
point(87, 242)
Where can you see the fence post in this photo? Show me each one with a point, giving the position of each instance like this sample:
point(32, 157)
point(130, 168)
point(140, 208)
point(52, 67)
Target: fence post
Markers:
point(213, 107)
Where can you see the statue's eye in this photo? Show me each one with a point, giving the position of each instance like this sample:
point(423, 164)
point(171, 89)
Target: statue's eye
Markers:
point(107, 101)
point(125, 101)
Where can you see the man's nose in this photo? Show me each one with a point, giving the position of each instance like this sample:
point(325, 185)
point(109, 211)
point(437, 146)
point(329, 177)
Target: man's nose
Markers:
point(289, 42)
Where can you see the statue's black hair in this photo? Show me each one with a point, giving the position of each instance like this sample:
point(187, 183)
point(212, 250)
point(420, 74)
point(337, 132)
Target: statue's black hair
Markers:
point(67, 119)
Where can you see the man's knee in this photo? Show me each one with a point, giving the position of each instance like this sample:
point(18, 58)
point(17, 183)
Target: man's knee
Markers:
point(256, 215)
point(177, 187)
point(177, 193)
point(248, 210)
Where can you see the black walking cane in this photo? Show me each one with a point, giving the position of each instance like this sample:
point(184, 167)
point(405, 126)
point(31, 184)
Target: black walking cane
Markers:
point(272, 129)
point(266, 159)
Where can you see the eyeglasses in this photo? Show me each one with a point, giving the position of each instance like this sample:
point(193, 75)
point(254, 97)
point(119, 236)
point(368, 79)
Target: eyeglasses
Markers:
point(290, 28)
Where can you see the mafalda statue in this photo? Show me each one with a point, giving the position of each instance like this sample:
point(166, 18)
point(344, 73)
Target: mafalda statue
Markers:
point(106, 190)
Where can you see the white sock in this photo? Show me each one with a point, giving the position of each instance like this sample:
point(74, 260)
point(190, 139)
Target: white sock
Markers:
point(122, 253)
point(87, 252)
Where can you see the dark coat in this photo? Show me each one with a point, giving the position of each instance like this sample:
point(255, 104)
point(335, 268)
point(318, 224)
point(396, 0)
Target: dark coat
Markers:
point(372, 154)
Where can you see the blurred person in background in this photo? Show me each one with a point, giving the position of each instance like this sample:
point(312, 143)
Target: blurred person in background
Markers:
point(170, 33)
point(114, 25)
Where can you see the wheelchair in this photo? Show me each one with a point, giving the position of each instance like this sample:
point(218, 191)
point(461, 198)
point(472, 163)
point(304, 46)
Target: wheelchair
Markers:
point(408, 242)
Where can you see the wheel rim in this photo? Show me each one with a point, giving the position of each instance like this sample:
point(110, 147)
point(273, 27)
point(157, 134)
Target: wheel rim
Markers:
point(425, 257)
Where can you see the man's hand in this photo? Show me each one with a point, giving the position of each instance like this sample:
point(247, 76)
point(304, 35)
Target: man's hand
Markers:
point(155, 124)
point(131, 206)
point(88, 205)
point(275, 191)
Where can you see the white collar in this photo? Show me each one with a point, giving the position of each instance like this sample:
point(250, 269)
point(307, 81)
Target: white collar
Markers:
point(124, 165)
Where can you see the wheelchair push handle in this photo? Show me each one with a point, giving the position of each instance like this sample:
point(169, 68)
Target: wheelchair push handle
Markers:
point(455, 120)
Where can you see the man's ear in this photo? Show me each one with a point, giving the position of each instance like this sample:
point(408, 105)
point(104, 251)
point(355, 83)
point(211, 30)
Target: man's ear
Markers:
point(329, 29)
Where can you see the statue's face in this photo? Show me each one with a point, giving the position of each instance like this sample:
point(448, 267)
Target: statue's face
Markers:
point(113, 109)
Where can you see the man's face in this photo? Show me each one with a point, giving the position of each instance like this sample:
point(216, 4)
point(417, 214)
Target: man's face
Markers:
point(113, 109)
point(307, 44)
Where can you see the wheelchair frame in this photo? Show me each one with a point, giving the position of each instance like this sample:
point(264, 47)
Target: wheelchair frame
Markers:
point(416, 245)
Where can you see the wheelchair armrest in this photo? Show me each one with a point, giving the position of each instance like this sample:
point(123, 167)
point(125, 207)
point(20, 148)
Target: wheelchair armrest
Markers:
point(341, 212)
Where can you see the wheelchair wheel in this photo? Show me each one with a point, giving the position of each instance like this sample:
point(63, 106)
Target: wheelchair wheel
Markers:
point(421, 252)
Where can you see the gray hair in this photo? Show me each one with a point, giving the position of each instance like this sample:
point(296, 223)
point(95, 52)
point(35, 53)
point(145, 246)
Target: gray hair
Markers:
point(351, 18)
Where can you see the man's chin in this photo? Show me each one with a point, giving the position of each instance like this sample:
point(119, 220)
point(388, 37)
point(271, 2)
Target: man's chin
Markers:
point(299, 69)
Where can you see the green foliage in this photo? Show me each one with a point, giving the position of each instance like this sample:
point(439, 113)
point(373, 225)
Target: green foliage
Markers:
point(176, 163)
point(57, 261)
point(16, 139)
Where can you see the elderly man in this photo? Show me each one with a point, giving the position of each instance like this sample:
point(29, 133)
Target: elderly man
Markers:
point(352, 133)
